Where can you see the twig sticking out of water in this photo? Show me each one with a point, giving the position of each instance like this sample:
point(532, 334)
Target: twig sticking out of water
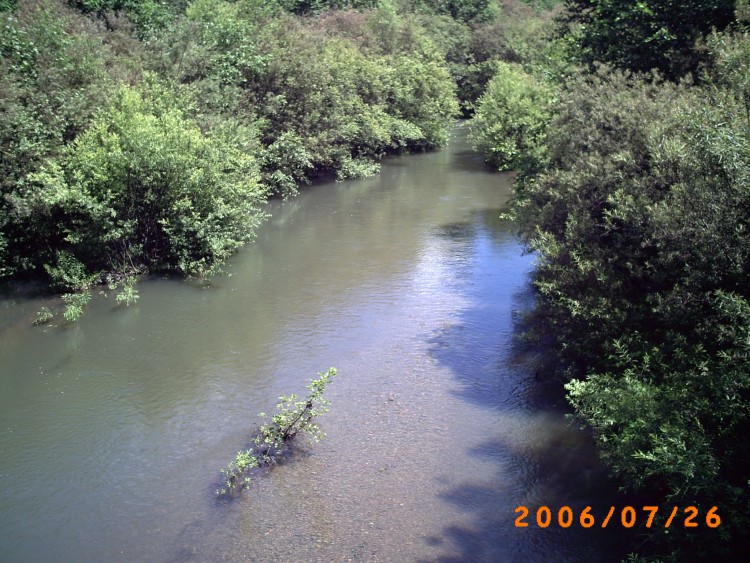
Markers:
point(272, 438)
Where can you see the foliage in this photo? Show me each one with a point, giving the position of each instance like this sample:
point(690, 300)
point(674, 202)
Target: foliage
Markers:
point(75, 305)
point(148, 16)
point(43, 316)
point(641, 188)
point(517, 34)
point(511, 120)
point(313, 7)
point(53, 80)
point(223, 103)
point(128, 293)
point(644, 35)
point(321, 103)
point(423, 95)
point(543, 4)
point(730, 59)
point(742, 12)
point(143, 189)
point(461, 10)
point(274, 437)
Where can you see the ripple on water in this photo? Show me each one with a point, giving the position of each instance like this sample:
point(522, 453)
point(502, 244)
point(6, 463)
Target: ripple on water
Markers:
point(411, 286)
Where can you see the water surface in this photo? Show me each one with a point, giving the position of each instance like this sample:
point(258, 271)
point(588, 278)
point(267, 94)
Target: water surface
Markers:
point(112, 430)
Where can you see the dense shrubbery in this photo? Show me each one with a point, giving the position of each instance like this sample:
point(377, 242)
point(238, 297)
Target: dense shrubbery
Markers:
point(639, 219)
point(641, 36)
point(468, 11)
point(322, 103)
point(285, 98)
point(644, 260)
point(141, 189)
point(54, 78)
point(517, 34)
point(121, 156)
point(511, 120)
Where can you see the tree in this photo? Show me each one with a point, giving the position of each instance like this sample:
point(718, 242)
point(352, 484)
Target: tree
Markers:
point(510, 124)
point(143, 189)
point(643, 35)
point(473, 11)
point(646, 181)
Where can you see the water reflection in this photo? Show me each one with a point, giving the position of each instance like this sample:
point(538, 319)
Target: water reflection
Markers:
point(409, 284)
point(539, 457)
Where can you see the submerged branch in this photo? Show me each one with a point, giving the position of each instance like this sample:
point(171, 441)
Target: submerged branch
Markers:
point(271, 439)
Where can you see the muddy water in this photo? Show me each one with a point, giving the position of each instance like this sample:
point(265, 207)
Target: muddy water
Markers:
point(112, 431)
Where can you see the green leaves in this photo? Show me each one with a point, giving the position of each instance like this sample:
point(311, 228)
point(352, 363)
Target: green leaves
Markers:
point(121, 171)
point(641, 36)
point(143, 189)
point(273, 438)
point(642, 273)
point(323, 103)
point(53, 79)
point(510, 124)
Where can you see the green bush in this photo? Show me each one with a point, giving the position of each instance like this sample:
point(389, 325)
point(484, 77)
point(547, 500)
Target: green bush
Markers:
point(641, 36)
point(144, 190)
point(470, 11)
point(729, 63)
point(517, 35)
point(273, 438)
point(321, 103)
point(148, 16)
point(641, 190)
point(100, 182)
point(510, 124)
point(54, 78)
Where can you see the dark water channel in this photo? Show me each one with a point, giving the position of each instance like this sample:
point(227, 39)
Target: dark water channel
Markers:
point(112, 431)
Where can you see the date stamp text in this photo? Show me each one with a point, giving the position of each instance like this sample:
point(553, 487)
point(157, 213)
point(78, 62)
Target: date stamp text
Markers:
point(627, 517)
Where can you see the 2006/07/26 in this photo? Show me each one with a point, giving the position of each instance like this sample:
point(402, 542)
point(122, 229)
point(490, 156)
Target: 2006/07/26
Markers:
point(628, 517)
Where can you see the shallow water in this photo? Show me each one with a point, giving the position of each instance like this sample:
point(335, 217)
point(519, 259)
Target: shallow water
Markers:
point(112, 430)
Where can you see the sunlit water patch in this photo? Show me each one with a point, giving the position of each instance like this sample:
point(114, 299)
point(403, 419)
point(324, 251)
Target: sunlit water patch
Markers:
point(112, 431)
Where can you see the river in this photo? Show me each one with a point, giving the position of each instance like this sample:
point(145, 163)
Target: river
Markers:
point(113, 430)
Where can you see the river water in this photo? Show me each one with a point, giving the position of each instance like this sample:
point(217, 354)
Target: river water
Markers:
point(113, 430)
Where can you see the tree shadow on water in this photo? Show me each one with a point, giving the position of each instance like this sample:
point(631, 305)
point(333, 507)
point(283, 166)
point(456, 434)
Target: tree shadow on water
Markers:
point(492, 535)
point(540, 457)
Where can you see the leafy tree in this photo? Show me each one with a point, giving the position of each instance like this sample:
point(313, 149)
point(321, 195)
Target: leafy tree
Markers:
point(54, 78)
point(312, 7)
point(517, 34)
point(322, 103)
point(149, 16)
point(424, 95)
point(142, 190)
point(510, 123)
point(543, 4)
point(644, 35)
point(461, 10)
point(101, 181)
point(642, 186)
point(730, 60)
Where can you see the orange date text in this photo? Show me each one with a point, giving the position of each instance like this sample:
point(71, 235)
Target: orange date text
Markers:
point(627, 517)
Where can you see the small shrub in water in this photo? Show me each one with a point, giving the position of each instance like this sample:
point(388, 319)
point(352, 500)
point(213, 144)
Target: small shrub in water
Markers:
point(43, 316)
point(75, 304)
point(273, 437)
point(128, 294)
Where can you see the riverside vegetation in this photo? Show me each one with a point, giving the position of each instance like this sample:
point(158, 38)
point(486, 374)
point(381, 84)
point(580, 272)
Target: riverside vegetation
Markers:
point(272, 440)
point(632, 148)
point(145, 136)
